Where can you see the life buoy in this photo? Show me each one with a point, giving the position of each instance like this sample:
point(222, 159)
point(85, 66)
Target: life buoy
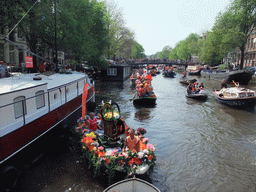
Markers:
point(9, 177)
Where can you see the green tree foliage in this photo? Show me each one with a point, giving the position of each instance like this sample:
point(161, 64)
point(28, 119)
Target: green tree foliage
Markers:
point(138, 51)
point(235, 26)
point(210, 48)
point(81, 25)
point(164, 54)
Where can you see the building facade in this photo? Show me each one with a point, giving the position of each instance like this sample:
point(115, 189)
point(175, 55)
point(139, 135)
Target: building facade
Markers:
point(14, 55)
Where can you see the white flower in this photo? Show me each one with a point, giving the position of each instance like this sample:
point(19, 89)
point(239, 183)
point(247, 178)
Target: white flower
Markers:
point(145, 151)
point(140, 154)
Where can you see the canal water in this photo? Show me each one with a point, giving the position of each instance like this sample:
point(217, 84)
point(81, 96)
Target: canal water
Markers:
point(201, 145)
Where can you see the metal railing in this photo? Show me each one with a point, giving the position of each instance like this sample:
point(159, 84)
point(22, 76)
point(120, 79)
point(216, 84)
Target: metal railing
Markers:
point(48, 103)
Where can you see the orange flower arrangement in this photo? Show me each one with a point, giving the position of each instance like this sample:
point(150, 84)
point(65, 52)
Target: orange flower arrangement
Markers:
point(150, 157)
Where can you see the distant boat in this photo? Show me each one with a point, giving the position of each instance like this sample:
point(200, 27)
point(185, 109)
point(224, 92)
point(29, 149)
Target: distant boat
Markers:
point(241, 76)
point(236, 96)
point(193, 70)
point(186, 81)
point(169, 74)
point(132, 185)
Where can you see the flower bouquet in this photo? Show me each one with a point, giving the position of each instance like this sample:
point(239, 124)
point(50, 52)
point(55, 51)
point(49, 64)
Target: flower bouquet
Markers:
point(141, 131)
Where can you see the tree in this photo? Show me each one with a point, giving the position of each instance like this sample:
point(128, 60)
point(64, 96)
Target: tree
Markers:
point(236, 25)
point(164, 54)
point(138, 51)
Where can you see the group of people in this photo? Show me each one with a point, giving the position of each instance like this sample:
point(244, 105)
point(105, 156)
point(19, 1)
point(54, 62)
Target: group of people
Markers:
point(194, 88)
point(143, 86)
point(131, 141)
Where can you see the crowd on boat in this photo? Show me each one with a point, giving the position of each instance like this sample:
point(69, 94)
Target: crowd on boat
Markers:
point(195, 88)
point(143, 83)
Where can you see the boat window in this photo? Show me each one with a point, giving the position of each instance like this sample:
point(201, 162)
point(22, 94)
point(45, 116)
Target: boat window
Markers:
point(55, 96)
point(19, 102)
point(40, 99)
point(242, 94)
point(111, 71)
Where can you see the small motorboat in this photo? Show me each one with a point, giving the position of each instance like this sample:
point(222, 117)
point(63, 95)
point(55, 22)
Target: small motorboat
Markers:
point(186, 81)
point(169, 74)
point(144, 101)
point(199, 96)
point(236, 96)
point(132, 184)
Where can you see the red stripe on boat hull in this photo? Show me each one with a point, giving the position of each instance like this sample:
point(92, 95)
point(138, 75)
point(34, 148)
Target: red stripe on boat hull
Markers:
point(22, 136)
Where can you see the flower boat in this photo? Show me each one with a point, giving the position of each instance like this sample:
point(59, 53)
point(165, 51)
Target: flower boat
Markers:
point(132, 184)
point(236, 96)
point(104, 151)
point(144, 101)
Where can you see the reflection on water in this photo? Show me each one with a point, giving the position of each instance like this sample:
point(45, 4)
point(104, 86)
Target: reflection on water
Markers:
point(201, 146)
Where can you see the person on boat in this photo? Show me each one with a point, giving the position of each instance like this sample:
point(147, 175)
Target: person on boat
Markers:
point(147, 89)
point(201, 86)
point(131, 141)
point(148, 77)
point(142, 91)
point(184, 74)
point(92, 123)
point(189, 88)
point(224, 84)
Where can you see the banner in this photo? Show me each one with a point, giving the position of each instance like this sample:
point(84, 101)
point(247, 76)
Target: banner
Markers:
point(84, 98)
point(29, 62)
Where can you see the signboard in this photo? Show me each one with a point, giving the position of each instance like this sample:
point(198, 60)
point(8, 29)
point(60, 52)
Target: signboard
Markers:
point(29, 62)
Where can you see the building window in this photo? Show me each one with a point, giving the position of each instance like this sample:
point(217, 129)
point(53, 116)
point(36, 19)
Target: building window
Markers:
point(19, 103)
point(40, 99)
point(55, 96)
point(111, 71)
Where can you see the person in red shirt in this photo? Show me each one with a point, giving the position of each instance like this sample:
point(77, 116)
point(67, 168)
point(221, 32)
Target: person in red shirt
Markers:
point(92, 123)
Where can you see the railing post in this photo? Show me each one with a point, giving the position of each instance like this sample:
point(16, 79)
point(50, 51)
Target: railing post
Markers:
point(23, 109)
point(49, 103)
point(77, 88)
point(65, 94)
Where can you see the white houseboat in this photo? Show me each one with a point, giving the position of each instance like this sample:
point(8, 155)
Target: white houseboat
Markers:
point(33, 104)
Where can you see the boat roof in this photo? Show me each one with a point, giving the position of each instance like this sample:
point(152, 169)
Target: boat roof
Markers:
point(24, 81)
point(237, 90)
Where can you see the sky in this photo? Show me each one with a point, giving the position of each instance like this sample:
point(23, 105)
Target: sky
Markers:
point(159, 23)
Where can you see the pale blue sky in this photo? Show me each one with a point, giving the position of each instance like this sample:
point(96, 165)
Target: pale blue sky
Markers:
point(166, 22)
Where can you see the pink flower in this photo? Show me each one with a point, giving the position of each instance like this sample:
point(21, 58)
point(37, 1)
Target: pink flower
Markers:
point(101, 148)
point(145, 140)
point(86, 130)
point(130, 173)
point(134, 166)
point(114, 152)
point(150, 146)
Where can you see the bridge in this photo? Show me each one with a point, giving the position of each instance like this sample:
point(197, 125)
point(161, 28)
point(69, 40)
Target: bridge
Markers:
point(141, 64)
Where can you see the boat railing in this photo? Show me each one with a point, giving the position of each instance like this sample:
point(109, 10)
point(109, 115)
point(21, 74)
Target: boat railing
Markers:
point(24, 111)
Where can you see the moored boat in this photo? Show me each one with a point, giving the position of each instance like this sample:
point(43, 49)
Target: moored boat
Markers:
point(241, 76)
point(236, 96)
point(193, 70)
point(132, 184)
point(33, 104)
